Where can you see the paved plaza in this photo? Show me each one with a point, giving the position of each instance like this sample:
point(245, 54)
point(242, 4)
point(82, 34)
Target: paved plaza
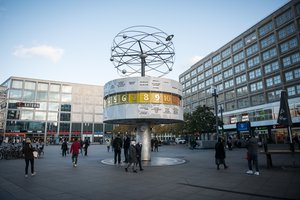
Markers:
point(196, 178)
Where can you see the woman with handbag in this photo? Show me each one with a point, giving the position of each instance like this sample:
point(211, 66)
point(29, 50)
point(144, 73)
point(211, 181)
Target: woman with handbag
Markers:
point(28, 155)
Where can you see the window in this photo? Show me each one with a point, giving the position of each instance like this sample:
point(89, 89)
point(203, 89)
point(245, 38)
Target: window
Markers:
point(265, 29)
point(226, 53)
point(250, 38)
point(194, 89)
point(298, 9)
point(208, 73)
point(216, 58)
point(54, 87)
point(188, 83)
point(254, 74)
point(230, 106)
point(267, 41)
point(230, 95)
point(253, 61)
point(218, 78)
point(273, 81)
point(291, 91)
point(17, 84)
point(201, 85)
point(65, 116)
point(239, 68)
point(286, 31)
point(284, 17)
point(243, 103)
point(267, 55)
point(26, 115)
point(228, 73)
point(227, 63)
point(289, 76)
point(66, 97)
point(229, 84)
point(40, 115)
point(15, 94)
point(194, 80)
point(200, 77)
point(187, 76)
point(240, 79)
point(242, 91)
point(52, 116)
point(284, 47)
point(291, 59)
point(271, 67)
point(258, 99)
point(209, 82)
point(29, 85)
point(54, 96)
point(29, 95)
point(207, 64)
point(220, 87)
point(200, 68)
point(274, 95)
point(42, 86)
point(252, 50)
point(238, 57)
point(66, 89)
point(256, 86)
point(237, 46)
point(53, 106)
point(217, 68)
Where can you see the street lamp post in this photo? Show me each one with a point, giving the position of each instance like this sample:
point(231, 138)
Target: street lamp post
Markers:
point(215, 95)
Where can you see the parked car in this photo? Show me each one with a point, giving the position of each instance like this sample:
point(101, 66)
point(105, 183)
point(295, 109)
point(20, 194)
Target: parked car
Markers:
point(180, 141)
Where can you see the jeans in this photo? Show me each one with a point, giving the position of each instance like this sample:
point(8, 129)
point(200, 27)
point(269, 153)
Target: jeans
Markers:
point(27, 165)
point(253, 158)
point(74, 158)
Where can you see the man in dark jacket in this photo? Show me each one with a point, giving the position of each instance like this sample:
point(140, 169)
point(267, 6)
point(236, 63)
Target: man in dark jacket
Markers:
point(117, 146)
point(220, 153)
point(86, 145)
point(138, 148)
point(126, 148)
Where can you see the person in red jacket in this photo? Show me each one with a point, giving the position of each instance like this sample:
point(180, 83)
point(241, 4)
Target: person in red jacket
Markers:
point(75, 147)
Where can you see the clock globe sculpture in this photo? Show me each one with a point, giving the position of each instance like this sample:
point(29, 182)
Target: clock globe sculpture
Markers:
point(143, 55)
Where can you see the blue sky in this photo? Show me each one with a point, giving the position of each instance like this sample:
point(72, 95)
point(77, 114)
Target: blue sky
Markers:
point(70, 40)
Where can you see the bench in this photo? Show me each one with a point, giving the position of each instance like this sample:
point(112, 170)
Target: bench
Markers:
point(277, 151)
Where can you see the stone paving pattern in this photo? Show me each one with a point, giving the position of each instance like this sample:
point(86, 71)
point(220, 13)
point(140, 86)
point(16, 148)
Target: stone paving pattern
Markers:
point(198, 178)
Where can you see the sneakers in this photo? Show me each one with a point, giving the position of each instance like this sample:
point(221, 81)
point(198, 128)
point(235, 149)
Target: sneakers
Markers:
point(75, 165)
point(26, 175)
point(249, 172)
point(33, 174)
point(256, 173)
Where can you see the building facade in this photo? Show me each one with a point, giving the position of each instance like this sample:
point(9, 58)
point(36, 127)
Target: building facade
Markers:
point(51, 110)
point(249, 73)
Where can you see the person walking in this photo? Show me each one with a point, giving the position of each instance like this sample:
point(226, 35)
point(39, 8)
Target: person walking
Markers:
point(252, 155)
point(220, 153)
point(108, 143)
point(156, 144)
point(75, 147)
point(86, 146)
point(28, 155)
point(138, 148)
point(132, 159)
point(126, 148)
point(64, 148)
point(117, 146)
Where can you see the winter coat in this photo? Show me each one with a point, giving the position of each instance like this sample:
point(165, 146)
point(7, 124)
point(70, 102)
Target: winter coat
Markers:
point(117, 144)
point(28, 151)
point(220, 150)
point(132, 154)
point(75, 147)
point(64, 146)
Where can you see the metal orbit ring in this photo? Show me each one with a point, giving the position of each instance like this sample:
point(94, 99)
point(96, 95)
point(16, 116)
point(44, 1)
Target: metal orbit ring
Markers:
point(141, 50)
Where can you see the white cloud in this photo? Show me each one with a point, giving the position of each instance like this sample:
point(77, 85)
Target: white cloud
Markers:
point(52, 53)
point(195, 59)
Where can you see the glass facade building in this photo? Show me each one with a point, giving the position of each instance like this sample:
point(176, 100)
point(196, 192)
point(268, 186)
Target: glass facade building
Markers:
point(249, 73)
point(48, 110)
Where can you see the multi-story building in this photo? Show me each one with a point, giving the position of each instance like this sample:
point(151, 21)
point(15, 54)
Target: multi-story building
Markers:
point(249, 73)
point(51, 110)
